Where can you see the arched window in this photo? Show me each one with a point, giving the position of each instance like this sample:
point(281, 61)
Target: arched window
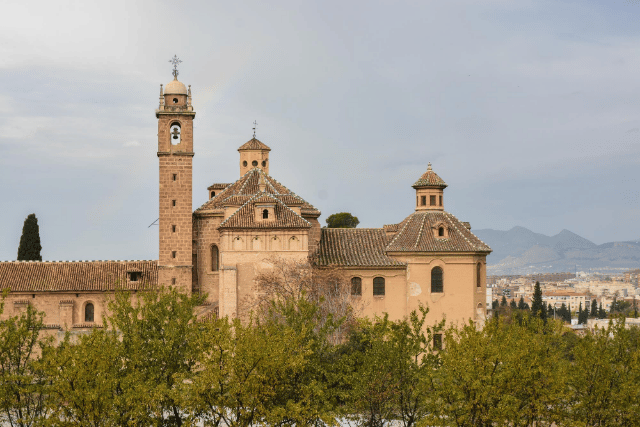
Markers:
point(356, 286)
point(441, 231)
point(436, 280)
point(254, 163)
point(88, 312)
point(378, 286)
point(265, 214)
point(174, 131)
point(215, 255)
point(244, 163)
point(478, 275)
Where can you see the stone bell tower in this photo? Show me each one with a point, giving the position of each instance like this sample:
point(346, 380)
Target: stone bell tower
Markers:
point(175, 152)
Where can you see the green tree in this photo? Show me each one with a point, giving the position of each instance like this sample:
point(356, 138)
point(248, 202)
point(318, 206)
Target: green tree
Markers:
point(158, 334)
point(550, 311)
point(513, 304)
point(508, 373)
point(29, 248)
point(84, 380)
point(594, 307)
point(521, 304)
point(495, 304)
point(22, 396)
point(605, 375)
point(342, 220)
point(537, 305)
point(602, 313)
point(503, 302)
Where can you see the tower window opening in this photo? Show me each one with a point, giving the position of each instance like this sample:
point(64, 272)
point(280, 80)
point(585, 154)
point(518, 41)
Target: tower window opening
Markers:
point(244, 163)
point(173, 203)
point(88, 312)
point(264, 163)
point(173, 254)
point(441, 231)
point(423, 200)
point(134, 276)
point(173, 280)
point(175, 176)
point(265, 214)
point(478, 275)
point(254, 163)
point(440, 200)
point(432, 200)
point(175, 100)
point(173, 228)
point(215, 254)
point(213, 194)
point(174, 130)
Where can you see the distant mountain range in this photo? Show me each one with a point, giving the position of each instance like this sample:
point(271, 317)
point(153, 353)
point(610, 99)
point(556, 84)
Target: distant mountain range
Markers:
point(521, 251)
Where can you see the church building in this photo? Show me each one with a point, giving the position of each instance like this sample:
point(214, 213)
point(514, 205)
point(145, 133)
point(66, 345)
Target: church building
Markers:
point(429, 257)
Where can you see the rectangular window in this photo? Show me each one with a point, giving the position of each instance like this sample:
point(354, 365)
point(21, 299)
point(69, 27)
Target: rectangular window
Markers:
point(173, 203)
point(423, 200)
point(173, 228)
point(378, 286)
point(440, 200)
point(173, 254)
point(175, 176)
point(437, 341)
point(173, 281)
point(432, 200)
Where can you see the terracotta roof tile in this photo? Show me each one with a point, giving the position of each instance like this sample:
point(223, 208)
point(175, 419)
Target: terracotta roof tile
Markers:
point(217, 186)
point(429, 179)
point(249, 185)
point(254, 144)
point(416, 235)
point(35, 276)
point(245, 216)
point(355, 247)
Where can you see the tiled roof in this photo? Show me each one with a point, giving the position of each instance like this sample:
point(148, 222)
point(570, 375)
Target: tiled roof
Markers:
point(218, 186)
point(248, 185)
point(416, 235)
point(35, 276)
point(356, 247)
point(429, 179)
point(254, 144)
point(245, 216)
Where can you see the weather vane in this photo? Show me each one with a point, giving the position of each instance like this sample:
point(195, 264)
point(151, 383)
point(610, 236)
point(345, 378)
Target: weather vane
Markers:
point(255, 124)
point(175, 61)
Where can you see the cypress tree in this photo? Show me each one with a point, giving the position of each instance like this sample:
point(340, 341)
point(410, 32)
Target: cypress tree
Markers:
point(537, 305)
point(521, 304)
point(29, 249)
point(503, 303)
point(549, 311)
point(601, 312)
point(495, 304)
point(580, 314)
point(594, 308)
point(513, 304)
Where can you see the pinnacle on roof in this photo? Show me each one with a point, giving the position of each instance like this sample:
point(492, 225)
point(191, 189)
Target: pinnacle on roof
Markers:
point(254, 144)
point(429, 179)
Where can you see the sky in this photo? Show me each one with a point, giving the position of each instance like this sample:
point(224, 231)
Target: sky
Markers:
point(529, 110)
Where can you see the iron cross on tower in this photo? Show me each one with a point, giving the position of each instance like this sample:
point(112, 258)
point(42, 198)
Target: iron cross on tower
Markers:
point(175, 61)
point(255, 124)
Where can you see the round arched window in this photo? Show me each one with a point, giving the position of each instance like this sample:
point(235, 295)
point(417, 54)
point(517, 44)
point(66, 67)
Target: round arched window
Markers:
point(264, 163)
point(441, 231)
point(88, 312)
point(244, 163)
point(254, 163)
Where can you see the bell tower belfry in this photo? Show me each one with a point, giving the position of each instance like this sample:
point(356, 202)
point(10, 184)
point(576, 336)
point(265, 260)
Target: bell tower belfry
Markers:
point(175, 153)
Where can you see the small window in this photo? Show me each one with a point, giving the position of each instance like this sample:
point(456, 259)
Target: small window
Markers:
point(440, 200)
point(134, 276)
point(173, 254)
point(173, 203)
point(175, 100)
point(432, 200)
point(213, 194)
point(173, 280)
point(441, 231)
point(254, 163)
point(437, 341)
point(436, 280)
point(265, 214)
point(423, 200)
point(378, 286)
point(175, 176)
point(264, 163)
point(215, 256)
point(173, 228)
point(244, 163)
point(356, 286)
point(174, 130)
point(478, 275)
point(88, 312)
